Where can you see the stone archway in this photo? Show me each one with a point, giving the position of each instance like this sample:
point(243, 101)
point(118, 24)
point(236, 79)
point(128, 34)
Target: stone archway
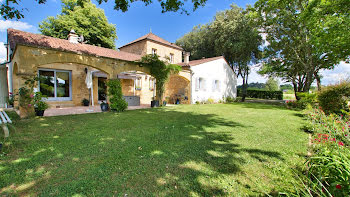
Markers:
point(178, 88)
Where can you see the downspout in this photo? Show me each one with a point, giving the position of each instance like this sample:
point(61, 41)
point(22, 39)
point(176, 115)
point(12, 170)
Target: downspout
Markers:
point(9, 66)
point(191, 82)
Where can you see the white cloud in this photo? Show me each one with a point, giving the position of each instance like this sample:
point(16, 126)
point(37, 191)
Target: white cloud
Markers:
point(2, 52)
point(254, 76)
point(4, 25)
point(340, 72)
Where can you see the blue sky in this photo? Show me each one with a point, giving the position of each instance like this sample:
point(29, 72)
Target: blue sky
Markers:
point(138, 21)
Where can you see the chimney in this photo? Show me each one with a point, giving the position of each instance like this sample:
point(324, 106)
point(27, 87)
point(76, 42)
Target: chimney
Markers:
point(186, 57)
point(73, 37)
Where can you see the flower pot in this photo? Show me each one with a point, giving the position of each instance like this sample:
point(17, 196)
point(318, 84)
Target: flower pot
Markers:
point(154, 103)
point(104, 107)
point(39, 112)
point(26, 112)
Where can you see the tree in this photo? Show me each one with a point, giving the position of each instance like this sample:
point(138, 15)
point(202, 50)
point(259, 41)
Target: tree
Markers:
point(86, 19)
point(199, 42)
point(291, 53)
point(329, 21)
point(272, 84)
point(238, 40)
point(9, 8)
point(232, 33)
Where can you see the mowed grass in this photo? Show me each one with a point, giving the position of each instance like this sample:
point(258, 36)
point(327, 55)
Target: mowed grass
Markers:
point(190, 150)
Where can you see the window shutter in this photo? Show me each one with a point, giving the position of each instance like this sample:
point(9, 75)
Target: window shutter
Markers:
point(219, 85)
point(197, 84)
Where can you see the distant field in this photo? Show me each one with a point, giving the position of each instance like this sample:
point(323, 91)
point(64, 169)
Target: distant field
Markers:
point(288, 96)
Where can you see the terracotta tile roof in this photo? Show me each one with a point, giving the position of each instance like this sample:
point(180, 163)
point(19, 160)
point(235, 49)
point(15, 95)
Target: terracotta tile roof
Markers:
point(29, 39)
point(200, 61)
point(155, 38)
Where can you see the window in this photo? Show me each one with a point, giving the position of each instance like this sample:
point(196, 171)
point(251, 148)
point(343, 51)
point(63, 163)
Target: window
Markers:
point(55, 84)
point(154, 51)
point(171, 58)
point(138, 83)
point(216, 85)
point(151, 83)
point(200, 84)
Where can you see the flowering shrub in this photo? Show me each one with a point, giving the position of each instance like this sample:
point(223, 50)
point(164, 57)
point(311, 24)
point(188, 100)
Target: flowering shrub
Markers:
point(329, 167)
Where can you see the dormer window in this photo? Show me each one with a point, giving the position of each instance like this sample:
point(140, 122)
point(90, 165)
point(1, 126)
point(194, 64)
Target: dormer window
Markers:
point(171, 58)
point(154, 51)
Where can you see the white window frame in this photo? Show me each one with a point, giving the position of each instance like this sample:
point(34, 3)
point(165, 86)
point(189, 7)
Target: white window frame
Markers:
point(216, 85)
point(55, 85)
point(201, 84)
point(171, 58)
point(151, 83)
point(138, 80)
point(154, 51)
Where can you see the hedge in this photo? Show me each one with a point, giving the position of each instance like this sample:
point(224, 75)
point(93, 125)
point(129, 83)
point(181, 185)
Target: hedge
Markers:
point(262, 94)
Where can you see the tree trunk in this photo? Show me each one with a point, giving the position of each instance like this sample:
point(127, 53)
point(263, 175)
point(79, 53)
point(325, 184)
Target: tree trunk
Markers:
point(295, 86)
point(318, 80)
point(244, 86)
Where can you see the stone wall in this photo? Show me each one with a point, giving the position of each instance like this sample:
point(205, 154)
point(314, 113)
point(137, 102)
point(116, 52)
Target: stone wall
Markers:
point(27, 60)
point(145, 93)
point(136, 48)
point(178, 87)
point(164, 51)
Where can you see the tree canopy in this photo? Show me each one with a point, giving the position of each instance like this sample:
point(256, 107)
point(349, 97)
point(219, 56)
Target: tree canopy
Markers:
point(86, 19)
point(10, 9)
point(233, 34)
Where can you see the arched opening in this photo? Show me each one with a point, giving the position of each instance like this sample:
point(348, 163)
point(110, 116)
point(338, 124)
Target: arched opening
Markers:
point(138, 87)
point(177, 90)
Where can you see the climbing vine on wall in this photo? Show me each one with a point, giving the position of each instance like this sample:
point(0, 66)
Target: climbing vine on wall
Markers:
point(161, 70)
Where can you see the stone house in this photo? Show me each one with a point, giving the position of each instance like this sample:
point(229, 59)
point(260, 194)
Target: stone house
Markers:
point(64, 65)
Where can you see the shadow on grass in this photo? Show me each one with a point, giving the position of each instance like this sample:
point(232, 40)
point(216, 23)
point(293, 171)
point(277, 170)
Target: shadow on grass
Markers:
point(162, 152)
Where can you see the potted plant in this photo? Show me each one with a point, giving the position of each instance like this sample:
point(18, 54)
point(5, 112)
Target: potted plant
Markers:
point(85, 102)
point(25, 101)
point(154, 102)
point(39, 104)
point(104, 106)
point(11, 99)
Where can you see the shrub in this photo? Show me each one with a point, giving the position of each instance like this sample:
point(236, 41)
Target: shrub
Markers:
point(85, 102)
point(293, 104)
point(39, 104)
point(306, 99)
point(229, 99)
point(210, 101)
point(262, 94)
point(334, 98)
point(197, 102)
point(117, 102)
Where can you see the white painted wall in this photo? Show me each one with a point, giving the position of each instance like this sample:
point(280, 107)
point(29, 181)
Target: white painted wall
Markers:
point(209, 72)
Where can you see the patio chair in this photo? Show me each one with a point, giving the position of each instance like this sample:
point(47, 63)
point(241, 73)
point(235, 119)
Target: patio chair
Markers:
point(4, 120)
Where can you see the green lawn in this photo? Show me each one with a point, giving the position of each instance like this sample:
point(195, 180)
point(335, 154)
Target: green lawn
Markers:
point(190, 150)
